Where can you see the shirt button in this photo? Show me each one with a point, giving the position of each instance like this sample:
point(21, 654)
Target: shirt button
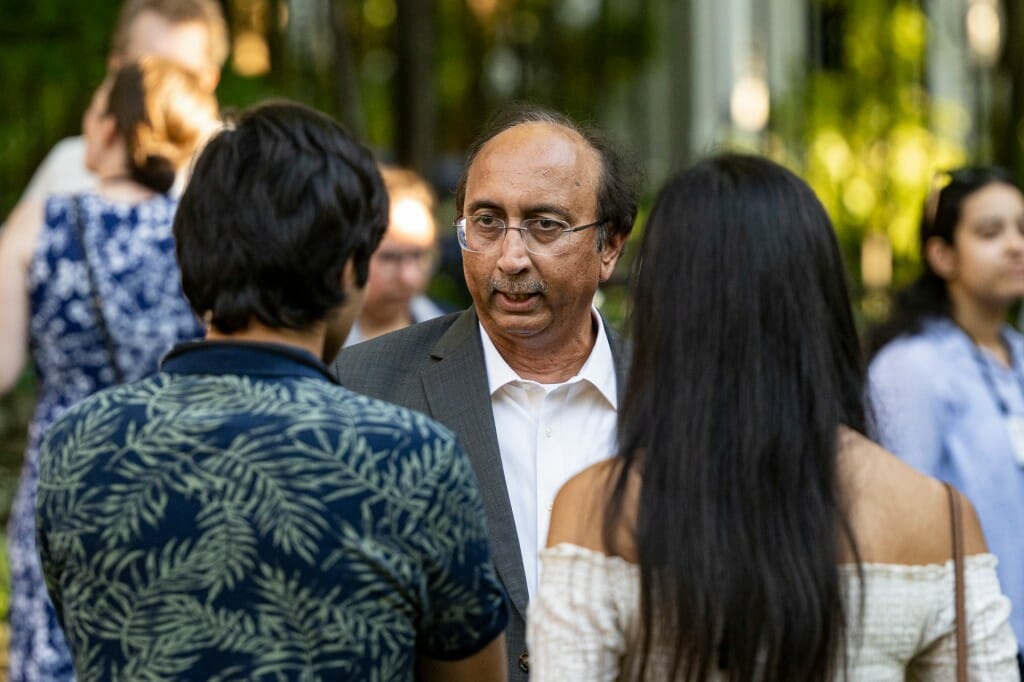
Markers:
point(524, 662)
point(547, 432)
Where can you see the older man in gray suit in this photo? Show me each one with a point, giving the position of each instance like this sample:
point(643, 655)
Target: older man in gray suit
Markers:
point(529, 376)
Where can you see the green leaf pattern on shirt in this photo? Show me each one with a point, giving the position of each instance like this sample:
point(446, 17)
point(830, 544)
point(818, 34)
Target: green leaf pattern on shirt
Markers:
point(230, 527)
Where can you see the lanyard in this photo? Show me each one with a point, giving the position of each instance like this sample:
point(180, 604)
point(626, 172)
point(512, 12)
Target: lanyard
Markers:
point(987, 378)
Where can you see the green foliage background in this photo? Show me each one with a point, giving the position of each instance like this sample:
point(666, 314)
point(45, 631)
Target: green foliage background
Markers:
point(414, 78)
point(869, 147)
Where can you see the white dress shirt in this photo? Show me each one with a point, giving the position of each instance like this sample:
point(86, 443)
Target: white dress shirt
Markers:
point(547, 433)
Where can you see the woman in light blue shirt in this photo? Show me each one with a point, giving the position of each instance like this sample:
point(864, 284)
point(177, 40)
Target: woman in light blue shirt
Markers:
point(947, 373)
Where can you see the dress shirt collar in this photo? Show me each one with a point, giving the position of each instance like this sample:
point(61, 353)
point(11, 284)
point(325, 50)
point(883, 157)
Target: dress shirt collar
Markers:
point(598, 370)
point(250, 358)
point(421, 309)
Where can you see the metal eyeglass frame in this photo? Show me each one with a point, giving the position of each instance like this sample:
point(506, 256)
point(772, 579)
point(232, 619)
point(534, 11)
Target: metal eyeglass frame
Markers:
point(523, 227)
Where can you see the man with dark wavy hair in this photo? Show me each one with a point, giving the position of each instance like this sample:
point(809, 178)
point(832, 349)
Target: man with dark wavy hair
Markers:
point(239, 514)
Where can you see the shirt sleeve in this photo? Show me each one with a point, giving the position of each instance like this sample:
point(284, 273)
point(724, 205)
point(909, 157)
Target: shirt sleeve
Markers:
point(466, 604)
point(908, 408)
point(580, 622)
point(991, 646)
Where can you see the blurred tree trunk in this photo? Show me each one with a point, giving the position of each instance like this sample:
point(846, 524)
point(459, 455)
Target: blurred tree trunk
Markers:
point(276, 39)
point(414, 93)
point(1006, 131)
point(346, 87)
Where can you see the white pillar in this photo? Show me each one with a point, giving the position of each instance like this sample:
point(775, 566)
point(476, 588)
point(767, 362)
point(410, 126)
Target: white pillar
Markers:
point(950, 70)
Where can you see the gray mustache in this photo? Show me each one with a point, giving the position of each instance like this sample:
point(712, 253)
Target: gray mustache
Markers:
point(518, 286)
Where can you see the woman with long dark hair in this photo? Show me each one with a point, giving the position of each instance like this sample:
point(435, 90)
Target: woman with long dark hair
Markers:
point(748, 529)
point(947, 373)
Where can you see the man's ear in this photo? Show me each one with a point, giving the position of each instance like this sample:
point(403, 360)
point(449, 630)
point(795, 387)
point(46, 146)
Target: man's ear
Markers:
point(610, 254)
point(941, 257)
point(354, 293)
point(339, 320)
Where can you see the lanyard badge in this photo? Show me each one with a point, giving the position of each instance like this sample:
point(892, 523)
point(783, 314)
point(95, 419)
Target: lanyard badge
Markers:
point(1014, 422)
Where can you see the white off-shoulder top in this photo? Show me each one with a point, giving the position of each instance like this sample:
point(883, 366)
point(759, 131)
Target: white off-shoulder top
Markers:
point(584, 620)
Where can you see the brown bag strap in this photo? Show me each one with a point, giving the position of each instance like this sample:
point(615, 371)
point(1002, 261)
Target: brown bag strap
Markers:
point(958, 571)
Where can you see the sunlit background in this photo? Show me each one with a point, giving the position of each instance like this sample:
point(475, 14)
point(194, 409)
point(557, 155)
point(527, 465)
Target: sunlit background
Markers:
point(867, 99)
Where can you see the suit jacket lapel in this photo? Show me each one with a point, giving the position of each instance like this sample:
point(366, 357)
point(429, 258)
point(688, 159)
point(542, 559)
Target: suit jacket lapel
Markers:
point(457, 392)
point(621, 356)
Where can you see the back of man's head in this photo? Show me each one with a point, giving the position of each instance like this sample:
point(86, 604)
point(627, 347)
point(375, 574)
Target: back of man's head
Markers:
point(143, 25)
point(277, 205)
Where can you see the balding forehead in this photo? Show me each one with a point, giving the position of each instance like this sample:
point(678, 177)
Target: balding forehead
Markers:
point(544, 129)
point(535, 168)
point(543, 138)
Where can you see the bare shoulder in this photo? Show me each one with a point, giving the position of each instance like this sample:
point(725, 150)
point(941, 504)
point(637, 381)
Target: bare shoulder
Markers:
point(578, 514)
point(900, 515)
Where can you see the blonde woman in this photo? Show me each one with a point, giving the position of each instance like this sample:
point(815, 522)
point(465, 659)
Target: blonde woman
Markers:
point(91, 291)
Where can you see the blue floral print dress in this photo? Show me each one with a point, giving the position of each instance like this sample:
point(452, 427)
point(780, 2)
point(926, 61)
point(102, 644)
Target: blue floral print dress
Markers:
point(134, 279)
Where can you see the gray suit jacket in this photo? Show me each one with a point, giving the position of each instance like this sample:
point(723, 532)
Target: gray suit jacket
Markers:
point(437, 367)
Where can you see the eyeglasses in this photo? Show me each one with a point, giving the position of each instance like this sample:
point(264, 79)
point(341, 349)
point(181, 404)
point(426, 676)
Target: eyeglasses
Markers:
point(422, 259)
point(484, 233)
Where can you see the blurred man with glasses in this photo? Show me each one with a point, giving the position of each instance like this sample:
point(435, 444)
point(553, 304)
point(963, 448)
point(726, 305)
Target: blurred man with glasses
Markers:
point(401, 267)
point(528, 377)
